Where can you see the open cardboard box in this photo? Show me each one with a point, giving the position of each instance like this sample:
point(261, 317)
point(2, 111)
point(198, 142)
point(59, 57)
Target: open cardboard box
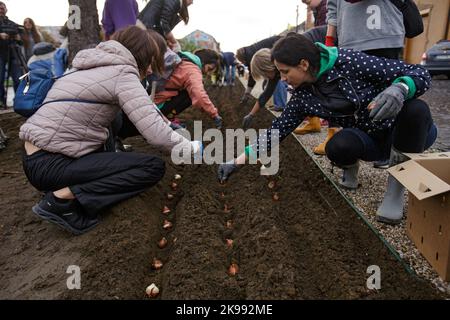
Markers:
point(427, 178)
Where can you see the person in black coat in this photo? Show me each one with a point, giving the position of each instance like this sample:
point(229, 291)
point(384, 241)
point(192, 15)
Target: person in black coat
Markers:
point(246, 54)
point(375, 100)
point(163, 15)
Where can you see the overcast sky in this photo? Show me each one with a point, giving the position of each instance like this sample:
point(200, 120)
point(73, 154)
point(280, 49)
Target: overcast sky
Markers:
point(234, 23)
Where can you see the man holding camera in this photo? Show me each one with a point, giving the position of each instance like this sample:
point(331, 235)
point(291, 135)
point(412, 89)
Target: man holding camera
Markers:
point(9, 37)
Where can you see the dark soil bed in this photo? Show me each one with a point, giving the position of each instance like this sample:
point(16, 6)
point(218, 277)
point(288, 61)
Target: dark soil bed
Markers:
point(308, 245)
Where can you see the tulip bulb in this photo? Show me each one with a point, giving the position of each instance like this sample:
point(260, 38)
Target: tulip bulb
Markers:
point(177, 177)
point(167, 225)
point(229, 243)
point(229, 224)
point(275, 197)
point(152, 290)
point(233, 269)
point(166, 210)
point(162, 243)
point(157, 264)
point(271, 185)
point(169, 196)
point(174, 186)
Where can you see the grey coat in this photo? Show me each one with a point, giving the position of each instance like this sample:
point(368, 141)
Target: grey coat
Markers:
point(367, 24)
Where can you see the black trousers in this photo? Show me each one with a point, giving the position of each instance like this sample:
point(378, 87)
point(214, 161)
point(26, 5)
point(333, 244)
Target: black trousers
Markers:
point(176, 105)
point(389, 53)
point(414, 132)
point(98, 179)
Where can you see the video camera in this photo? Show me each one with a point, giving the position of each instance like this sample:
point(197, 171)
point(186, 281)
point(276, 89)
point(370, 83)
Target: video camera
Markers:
point(12, 29)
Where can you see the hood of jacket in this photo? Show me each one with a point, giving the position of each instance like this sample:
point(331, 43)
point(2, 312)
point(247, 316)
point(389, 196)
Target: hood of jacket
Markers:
point(328, 57)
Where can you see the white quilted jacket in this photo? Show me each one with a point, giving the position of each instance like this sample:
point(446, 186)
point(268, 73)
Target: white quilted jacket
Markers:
point(108, 74)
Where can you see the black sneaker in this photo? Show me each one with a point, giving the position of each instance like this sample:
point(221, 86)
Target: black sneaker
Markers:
point(67, 215)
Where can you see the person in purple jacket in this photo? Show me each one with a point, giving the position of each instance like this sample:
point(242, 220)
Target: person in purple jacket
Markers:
point(119, 14)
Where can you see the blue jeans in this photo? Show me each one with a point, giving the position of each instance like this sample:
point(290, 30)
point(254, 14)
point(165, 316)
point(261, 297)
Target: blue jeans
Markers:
point(280, 94)
point(15, 74)
point(230, 74)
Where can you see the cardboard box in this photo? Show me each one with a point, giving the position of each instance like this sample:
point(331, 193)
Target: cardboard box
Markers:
point(427, 178)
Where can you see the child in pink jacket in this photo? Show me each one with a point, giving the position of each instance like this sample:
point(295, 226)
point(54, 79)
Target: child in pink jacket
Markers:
point(183, 85)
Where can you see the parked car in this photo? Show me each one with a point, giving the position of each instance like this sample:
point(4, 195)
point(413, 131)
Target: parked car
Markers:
point(437, 59)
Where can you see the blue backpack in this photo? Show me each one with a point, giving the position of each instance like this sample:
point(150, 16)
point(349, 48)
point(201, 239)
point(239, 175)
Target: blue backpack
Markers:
point(35, 85)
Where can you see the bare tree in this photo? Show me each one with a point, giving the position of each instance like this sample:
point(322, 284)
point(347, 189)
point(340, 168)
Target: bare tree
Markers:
point(84, 28)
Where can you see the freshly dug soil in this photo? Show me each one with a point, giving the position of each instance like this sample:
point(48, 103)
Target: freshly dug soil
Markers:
point(308, 245)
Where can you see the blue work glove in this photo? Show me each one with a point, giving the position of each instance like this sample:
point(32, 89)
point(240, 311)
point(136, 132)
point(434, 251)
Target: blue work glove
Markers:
point(247, 121)
point(226, 169)
point(389, 102)
point(219, 122)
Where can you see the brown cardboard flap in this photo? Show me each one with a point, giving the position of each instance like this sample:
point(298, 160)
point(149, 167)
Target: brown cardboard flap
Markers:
point(418, 180)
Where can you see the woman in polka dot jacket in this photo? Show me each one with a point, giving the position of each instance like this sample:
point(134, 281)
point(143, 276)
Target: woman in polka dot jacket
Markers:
point(373, 99)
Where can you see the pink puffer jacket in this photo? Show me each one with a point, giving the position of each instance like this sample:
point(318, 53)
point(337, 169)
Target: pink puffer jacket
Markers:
point(108, 74)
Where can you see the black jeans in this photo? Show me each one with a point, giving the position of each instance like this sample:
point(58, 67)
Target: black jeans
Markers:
point(98, 179)
point(413, 132)
point(389, 53)
point(176, 105)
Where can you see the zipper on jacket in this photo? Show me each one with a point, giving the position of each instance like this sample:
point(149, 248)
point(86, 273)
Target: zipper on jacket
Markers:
point(354, 92)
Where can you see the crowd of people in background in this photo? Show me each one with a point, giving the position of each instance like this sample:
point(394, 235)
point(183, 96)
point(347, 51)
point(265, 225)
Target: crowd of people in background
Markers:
point(140, 81)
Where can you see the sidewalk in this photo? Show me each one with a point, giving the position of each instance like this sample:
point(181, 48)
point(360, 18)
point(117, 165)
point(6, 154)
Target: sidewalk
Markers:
point(366, 200)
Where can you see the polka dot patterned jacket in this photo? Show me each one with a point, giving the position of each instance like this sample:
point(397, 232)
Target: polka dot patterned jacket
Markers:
point(359, 78)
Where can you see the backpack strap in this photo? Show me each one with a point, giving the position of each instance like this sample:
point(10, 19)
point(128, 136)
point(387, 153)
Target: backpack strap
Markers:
point(73, 100)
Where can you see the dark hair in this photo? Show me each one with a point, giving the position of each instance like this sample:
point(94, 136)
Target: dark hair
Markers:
point(208, 56)
point(292, 49)
point(143, 46)
point(184, 13)
point(162, 45)
point(64, 31)
point(2, 3)
point(240, 55)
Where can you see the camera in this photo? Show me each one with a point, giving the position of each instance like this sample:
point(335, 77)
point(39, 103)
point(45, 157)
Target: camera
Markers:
point(12, 30)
